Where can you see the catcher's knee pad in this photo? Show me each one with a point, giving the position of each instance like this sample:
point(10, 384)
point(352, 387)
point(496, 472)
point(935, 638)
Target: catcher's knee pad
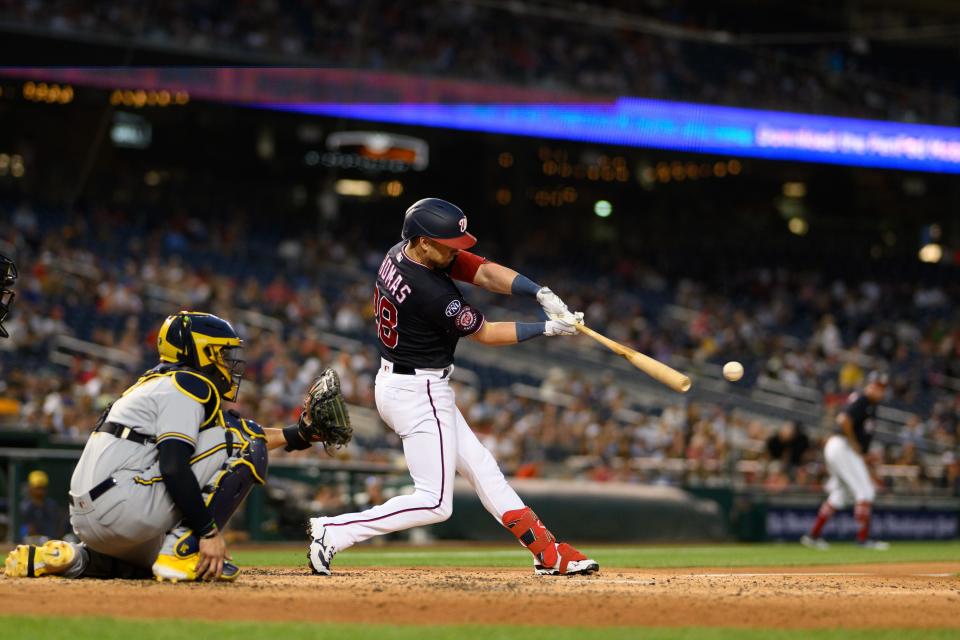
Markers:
point(245, 467)
point(526, 526)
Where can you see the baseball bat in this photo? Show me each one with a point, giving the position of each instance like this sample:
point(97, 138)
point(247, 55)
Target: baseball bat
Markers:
point(653, 368)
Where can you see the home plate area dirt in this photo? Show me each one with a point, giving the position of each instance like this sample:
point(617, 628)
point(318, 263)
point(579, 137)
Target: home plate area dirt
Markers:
point(887, 595)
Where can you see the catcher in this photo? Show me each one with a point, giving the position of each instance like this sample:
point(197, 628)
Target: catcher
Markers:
point(166, 466)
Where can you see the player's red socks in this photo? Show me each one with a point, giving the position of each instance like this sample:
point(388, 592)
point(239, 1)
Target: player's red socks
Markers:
point(825, 513)
point(861, 513)
point(526, 526)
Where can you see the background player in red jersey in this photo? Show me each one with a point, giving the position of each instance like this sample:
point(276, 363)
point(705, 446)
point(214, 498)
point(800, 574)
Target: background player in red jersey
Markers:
point(420, 317)
point(850, 480)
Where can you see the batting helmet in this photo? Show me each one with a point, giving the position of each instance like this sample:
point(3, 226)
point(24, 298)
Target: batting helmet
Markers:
point(438, 220)
point(8, 276)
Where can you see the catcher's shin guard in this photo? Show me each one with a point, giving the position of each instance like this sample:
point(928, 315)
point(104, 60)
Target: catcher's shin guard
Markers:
point(549, 557)
point(230, 485)
point(246, 466)
point(53, 557)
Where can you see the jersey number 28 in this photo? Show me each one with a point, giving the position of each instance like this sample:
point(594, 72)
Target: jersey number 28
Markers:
point(386, 317)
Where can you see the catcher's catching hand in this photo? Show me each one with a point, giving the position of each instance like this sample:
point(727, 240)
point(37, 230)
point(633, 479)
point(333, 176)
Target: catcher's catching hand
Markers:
point(324, 418)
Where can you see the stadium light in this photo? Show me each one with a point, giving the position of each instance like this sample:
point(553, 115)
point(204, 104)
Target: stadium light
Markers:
point(931, 252)
point(794, 189)
point(798, 226)
point(603, 208)
point(358, 188)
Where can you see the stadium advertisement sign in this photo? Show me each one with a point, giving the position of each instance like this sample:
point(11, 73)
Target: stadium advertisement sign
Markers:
point(474, 106)
point(375, 151)
point(789, 523)
point(686, 127)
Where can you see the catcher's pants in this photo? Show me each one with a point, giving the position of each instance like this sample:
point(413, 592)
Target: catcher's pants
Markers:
point(135, 518)
point(437, 441)
point(849, 479)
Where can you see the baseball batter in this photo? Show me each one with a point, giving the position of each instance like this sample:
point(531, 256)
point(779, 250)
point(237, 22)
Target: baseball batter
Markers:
point(850, 482)
point(165, 468)
point(420, 317)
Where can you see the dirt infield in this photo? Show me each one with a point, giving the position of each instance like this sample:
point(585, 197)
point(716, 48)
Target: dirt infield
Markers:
point(887, 595)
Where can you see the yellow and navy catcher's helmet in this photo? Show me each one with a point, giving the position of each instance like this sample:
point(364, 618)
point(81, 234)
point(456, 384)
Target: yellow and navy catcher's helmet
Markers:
point(207, 344)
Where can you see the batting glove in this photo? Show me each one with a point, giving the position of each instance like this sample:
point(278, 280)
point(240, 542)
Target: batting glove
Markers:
point(554, 307)
point(559, 328)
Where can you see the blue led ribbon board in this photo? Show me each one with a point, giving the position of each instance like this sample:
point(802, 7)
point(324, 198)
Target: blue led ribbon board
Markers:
point(685, 127)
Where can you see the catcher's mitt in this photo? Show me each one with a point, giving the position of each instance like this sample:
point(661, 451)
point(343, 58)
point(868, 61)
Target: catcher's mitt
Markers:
point(324, 418)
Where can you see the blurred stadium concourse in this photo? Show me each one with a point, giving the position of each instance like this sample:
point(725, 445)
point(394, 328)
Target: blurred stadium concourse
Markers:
point(264, 194)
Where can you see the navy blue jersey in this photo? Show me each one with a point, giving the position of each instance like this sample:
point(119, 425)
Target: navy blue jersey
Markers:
point(420, 312)
point(863, 416)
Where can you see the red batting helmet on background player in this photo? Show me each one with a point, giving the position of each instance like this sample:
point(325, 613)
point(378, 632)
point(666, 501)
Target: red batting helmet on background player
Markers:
point(438, 220)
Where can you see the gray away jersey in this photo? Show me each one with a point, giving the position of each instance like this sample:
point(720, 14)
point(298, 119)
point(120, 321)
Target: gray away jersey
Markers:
point(156, 407)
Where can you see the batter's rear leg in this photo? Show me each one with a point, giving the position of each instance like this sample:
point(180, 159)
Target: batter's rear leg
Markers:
point(430, 454)
point(477, 465)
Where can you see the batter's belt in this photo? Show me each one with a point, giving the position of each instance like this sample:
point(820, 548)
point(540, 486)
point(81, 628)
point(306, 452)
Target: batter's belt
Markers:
point(404, 370)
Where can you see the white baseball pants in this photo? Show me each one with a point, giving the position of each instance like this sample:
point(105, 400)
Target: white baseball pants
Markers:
point(849, 479)
point(437, 441)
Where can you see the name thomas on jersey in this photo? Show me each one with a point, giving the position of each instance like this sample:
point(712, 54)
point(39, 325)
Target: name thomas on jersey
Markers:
point(420, 312)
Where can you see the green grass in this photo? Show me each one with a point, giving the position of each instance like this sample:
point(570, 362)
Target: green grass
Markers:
point(732, 555)
point(30, 628)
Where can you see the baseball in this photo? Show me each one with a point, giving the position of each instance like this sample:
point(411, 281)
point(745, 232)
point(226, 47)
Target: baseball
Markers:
point(733, 371)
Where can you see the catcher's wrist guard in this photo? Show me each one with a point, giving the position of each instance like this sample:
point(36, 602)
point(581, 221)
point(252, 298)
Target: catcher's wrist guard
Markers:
point(295, 441)
point(324, 417)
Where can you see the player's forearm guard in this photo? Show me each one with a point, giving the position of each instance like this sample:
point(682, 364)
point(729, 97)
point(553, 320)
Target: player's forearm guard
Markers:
point(524, 286)
point(295, 441)
point(527, 330)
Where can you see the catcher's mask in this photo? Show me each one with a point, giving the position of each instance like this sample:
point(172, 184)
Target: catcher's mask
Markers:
point(206, 343)
point(8, 276)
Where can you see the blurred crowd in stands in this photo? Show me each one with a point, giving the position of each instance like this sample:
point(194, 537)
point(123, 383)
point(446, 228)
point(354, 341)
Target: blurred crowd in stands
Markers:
point(677, 50)
point(306, 304)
